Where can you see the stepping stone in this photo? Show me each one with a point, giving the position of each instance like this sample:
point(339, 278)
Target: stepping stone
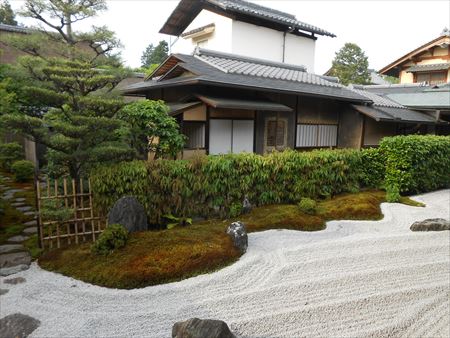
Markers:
point(12, 259)
point(3, 291)
point(20, 199)
point(18, 239)
point(18, 204)
point(30, 231)
point(25, 208)
point(10, 248)
point(30, 223)
point(18, 325)
point(14, 269)
point(29, 213)
point(14, 281)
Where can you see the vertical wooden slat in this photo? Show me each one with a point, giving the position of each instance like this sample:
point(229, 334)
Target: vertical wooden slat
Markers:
point(41, 228)
point(92, 210)
point(48, 187)
point(58, 242)
point(83, 223)
point(74, 192)
point(66, 204)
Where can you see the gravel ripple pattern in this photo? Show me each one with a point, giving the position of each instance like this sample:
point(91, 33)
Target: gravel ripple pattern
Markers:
point(354, 279)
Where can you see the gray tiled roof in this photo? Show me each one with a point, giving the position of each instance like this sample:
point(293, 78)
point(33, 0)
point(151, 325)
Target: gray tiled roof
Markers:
point(394, 114)
point(15, 29)
point(197, 30)
point(415, 95)
point(269, 13)
point(428, 68)
point(213, 68)
point(378, 100)
point(234, 64)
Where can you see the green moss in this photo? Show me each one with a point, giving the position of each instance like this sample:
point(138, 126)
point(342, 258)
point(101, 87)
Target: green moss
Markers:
point(410, 202)
point(156, 257)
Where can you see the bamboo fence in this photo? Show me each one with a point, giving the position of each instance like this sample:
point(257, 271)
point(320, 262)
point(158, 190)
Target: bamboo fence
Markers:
point(83, 224)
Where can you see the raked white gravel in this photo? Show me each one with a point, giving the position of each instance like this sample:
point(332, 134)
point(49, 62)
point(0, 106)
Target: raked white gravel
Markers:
point(354, 279)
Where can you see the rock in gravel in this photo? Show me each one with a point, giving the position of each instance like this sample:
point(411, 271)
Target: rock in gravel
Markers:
point(238, 234)
point(14, 269)
point(18, 239)
point(12, 259)
point(14, 281)
point(10, 248)
point(130, 213)
point(201, 328)
point(3, 291)
point(30, 231)
point(18, 325)
point(431, 224)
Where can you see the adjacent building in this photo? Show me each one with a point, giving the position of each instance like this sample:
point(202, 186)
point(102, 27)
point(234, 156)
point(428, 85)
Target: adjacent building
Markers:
point(243, 28)
point(429, 63)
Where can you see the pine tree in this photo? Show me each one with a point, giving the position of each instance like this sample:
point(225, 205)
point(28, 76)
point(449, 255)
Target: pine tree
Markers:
point(69, 103)
point(7, 15)
point(351, 65)
point(155, 54)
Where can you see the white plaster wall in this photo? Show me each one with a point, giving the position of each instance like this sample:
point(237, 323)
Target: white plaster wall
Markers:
point(300, 51)
point(258, 42)
point(219, 40)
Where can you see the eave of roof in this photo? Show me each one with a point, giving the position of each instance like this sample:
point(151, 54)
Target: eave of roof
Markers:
point(233, 103)
point(429, 67)
point(402, 115)
point(187, 10)
point(416, 51)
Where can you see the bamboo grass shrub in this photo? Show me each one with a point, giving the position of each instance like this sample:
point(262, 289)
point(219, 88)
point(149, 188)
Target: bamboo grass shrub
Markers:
point(416, 163)
point(209, 185)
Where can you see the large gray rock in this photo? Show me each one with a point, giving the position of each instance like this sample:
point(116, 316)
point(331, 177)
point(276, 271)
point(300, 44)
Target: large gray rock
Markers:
point(130, 213)
point(18, 326)
point(238, 234)
point(431, 224)
point(201, 328)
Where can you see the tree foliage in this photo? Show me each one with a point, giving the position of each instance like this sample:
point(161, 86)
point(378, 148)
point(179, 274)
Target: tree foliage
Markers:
point(154, 55)
point(150, 128)
point(68, 102)
point(7, 15)
point(351, 65)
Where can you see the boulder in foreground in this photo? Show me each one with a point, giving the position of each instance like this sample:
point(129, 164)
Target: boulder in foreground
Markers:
point(201, 328)
point(238, 234)
point(130, 213)
point(17, 325)
point(431, 224)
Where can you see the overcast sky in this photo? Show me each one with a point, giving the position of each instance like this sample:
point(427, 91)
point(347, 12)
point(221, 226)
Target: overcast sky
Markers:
point(385, 30)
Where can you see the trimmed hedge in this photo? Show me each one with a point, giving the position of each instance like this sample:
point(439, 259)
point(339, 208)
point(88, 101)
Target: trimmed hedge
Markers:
point(416, 163)
point(210, 184)
point(10, 153)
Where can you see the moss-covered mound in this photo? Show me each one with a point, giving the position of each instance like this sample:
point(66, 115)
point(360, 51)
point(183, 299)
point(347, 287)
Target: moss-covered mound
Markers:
point(156, 257)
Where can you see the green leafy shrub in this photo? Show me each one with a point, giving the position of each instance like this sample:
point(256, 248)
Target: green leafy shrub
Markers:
point(10, 153)
point(55, 210)
point(173, 221)
point(416, 163)
point(393, 194)
point(235, 210)
point(211, 185)
point(114, 237)
point(307, 205)
point(23, 170)
point(373, 167)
